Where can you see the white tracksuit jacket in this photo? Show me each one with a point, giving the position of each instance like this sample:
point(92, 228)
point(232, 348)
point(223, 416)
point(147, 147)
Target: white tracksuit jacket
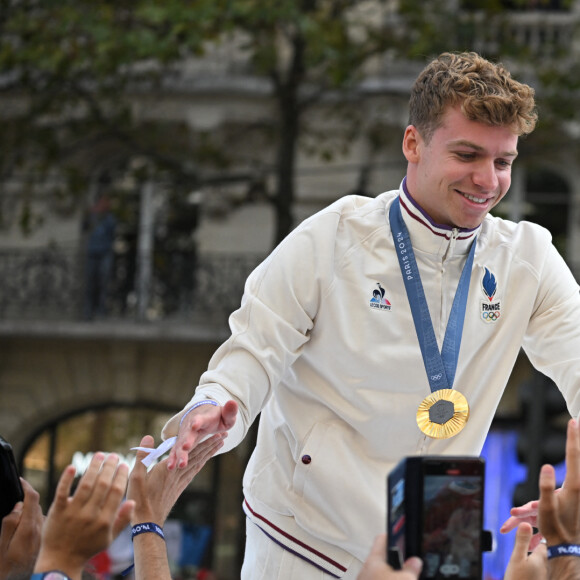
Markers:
point(338, 380)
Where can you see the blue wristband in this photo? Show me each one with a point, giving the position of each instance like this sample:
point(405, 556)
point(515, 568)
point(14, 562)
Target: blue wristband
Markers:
point(563, 550)
point(51, 575)
point(142, 529)
point(147, 527)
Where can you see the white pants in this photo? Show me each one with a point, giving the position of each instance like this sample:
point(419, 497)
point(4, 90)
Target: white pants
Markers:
point(264, 559)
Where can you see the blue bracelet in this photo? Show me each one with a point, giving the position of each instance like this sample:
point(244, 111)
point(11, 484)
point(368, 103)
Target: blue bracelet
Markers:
point(198, 404)
point(142, 529)
point(563, 550)
point(147, 527)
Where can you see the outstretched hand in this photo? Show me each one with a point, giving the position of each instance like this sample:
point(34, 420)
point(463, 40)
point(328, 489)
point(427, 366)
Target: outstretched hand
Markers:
point(79, 526)
point(156, 491)
point(198, 424)
point(528, 514)
point(559, 513)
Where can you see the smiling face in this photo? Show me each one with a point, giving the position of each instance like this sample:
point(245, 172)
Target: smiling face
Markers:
point(462, 172)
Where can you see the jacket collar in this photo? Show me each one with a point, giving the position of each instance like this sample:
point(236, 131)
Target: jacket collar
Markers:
point(430, 237)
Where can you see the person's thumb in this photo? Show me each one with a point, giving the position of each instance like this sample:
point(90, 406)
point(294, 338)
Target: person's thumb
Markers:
point(413, 565)
point(148, 442)
point(229, 413)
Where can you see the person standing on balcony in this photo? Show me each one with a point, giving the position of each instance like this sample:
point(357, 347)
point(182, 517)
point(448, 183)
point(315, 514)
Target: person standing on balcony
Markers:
point(349, 381)
point(101, 227)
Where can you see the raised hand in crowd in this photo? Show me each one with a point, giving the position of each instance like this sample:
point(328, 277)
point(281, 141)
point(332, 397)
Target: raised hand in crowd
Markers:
point(79, 526)
point(559, 513)
point(376, 567)
point(524, 565)
point(20, 536)
point(155, 493)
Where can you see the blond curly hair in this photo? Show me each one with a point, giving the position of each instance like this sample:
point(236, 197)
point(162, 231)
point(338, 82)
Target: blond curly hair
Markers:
point(486, 92)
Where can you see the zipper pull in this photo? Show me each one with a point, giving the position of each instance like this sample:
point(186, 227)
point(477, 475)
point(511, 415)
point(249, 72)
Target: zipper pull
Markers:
point(454, 236)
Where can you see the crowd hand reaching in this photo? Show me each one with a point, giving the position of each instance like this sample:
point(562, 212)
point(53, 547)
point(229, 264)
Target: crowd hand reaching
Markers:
point(522, 564)
point(155, 492)
point(527, 513)
point(20, 536)
point(559, 513)
point(196, 425)
point(79, 526)
point(376, 567)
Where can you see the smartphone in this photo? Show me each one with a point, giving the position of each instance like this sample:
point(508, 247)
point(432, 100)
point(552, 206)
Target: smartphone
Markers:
point(11, 490)
point(435, 512)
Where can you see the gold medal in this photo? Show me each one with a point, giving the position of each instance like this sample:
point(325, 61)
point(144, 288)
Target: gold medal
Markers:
point(443, 414)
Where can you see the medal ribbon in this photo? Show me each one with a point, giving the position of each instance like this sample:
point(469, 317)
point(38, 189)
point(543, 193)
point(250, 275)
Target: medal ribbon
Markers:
point(440, 366)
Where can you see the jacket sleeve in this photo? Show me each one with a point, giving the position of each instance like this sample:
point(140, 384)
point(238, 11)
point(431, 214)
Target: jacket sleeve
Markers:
point(269, 330)
point(552, 339)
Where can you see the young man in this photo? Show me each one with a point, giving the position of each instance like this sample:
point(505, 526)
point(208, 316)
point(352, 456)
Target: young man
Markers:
point(347, 383)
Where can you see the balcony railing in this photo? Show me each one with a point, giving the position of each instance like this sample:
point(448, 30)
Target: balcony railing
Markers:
point(539, 34)
point(51, 284)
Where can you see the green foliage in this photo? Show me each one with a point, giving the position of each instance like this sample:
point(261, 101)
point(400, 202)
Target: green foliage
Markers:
point(73, 66)
point(71, 70)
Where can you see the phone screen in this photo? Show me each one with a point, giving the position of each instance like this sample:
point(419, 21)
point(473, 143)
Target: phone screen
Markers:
point(452, 520)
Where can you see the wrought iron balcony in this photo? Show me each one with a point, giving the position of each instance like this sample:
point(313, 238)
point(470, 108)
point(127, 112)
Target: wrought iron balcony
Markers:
point(51, 284)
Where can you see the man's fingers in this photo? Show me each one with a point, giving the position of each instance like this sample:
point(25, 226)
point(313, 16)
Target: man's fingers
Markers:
point(526, 513)
point(535, 541)
point(526, 510)
point(63, 487)
point(413, 565)
point(86, 484)
point(379, 547)
point(547, 486)
point(514, 521)
point(199, 456)
point(573, 455)
point(204, 420)
point(172, 459)
point(123, 517)
point(148, 442)
point(105, 480)
point(179, 455)
point(32, 518)
point(216, 445)
point(31, 509)
point(177, 458)
point(207, 448)
point(117, 487)
point(521, 548)
point(10, 523)
point(229, 414)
